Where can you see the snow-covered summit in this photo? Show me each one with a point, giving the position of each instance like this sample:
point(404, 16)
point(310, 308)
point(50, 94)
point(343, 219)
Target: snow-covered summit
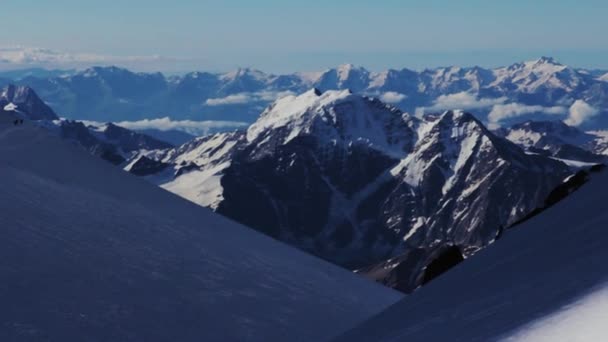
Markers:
point(245, 73)
point(346, 71)
point(336, 118)
point(345, 76)
point(296, 112)
point(530, 76)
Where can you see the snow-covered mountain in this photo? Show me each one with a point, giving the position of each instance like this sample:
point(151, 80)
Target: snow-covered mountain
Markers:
point(23, 100)
point(89, 252)
point(345, 76)
point(546, 280)
point(108, 141)
point(535, 89)
point(559, 140)
point(356, 181)
point(544, 74)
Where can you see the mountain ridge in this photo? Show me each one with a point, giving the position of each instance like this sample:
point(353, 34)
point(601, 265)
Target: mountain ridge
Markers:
point(532, 90)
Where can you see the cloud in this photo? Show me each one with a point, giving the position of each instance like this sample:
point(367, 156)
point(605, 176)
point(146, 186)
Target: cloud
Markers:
point(501, 112)
point(392, 97)
point(230, 100)
point(19, 56)
point(463, 100)
point(244, 98)
point(579, 112)
point(196, 128)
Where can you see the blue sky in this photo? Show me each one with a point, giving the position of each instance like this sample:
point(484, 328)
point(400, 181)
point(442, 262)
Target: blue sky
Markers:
point(281, 36)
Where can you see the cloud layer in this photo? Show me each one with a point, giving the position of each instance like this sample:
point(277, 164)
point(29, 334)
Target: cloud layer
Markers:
point(392, 97)
point(244, 98)
point(18, 56)
point(463, 100)
point(230, 100)
point(579, 112)
point(196, 128)
point(502, 112)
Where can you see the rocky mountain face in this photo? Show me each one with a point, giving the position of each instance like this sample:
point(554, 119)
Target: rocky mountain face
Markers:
point(526, 90)
point(543, 281)
point(357, 182)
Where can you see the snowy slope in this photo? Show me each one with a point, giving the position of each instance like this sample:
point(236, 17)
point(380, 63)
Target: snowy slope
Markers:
point(91, 253)
point(192, 170)
point(546, 280)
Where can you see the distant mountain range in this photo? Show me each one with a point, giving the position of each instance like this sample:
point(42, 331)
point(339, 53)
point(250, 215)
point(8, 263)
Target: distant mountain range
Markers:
point(530, 90)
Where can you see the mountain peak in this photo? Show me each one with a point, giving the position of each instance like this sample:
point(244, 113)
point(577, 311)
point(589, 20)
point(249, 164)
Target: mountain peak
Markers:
point(546, 60)
point(331, 116)
point(345, 71)
point(293, 111)
point(245, 72)
point(316, 91)
point(25, 100)
point(97, 71)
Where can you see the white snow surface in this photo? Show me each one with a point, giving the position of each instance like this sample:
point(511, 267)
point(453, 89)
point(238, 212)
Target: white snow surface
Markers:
point(294, 111)
point(11, 107)
point(89, 252)
point(545, 280)
point(203, 185)
point(584, 320)
point(334, 116)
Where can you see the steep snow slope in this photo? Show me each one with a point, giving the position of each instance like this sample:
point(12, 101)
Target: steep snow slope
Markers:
point(91, 253)
point(192, 170)
point(546, 280)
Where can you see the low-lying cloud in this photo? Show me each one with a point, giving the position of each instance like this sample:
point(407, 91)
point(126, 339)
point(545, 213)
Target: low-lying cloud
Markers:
point(463, 100)
point(579, 112)
point(245, 98)
point(19, 56)
point(392, 97)
point(502, 112)
point(230, 100)
point(196, 128)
